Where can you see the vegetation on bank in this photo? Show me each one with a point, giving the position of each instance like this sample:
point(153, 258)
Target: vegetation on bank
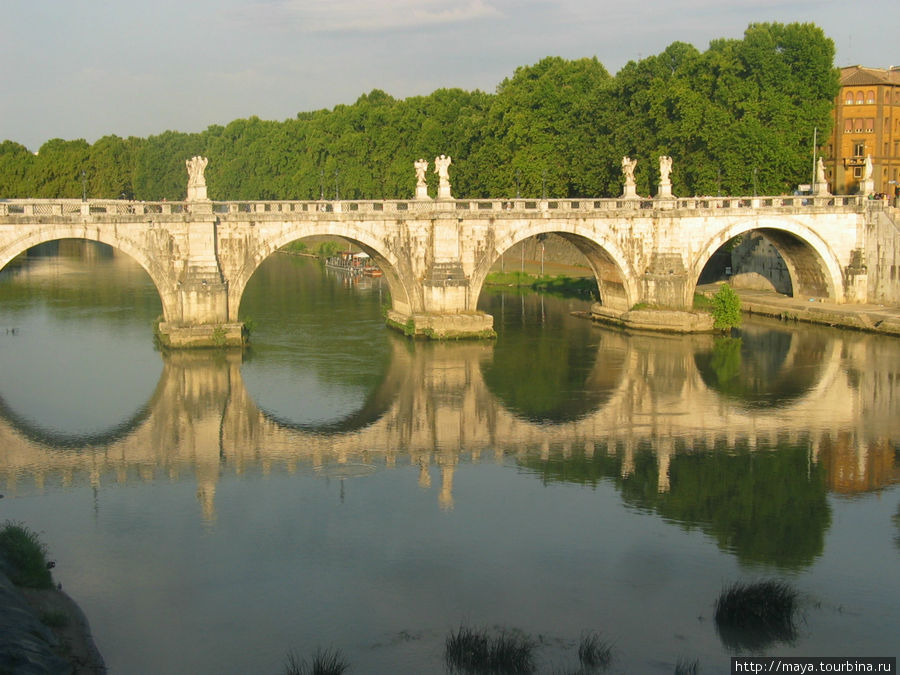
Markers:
point(322, 250)
point(561, 285)
point(726, 309)
point(737, 118)
point(23, 557)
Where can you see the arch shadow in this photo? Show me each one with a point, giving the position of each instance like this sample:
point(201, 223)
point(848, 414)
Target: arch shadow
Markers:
point(615, 279)
point(811, 263)
point(404, 296)
point(160, 277)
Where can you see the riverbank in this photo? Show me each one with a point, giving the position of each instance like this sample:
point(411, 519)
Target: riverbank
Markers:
point(867, 317)
point(42, 630)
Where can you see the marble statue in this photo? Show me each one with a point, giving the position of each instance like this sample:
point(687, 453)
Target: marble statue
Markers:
point(441, 168)
point(628, 165)
point(665, 183)
point(867, 175)
point(196, 180)
point(421, 167)
point(665, 168)
point(820, 171)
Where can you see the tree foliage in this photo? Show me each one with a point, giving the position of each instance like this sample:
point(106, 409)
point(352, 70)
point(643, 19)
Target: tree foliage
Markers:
point(738, 118)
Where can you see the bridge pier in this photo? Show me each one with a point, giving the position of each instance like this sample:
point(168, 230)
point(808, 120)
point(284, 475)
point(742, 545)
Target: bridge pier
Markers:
point(201, 295)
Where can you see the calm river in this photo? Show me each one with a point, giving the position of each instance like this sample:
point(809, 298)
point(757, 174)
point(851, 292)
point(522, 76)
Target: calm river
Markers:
point(343, 487)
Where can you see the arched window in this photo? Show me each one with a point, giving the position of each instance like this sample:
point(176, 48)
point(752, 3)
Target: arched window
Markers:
point(848, 99)
point(870, 96)
point(859, 98)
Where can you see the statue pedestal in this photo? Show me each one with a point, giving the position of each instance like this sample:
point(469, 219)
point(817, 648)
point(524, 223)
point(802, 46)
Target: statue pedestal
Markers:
point(422, 192)
point(821, 189)
point(867, 187)
point(665, 191)
point(444, 192)
point(197, 193)
point(630, 192)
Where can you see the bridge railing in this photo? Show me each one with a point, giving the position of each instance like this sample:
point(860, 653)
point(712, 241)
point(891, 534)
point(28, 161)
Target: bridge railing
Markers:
point(70, 207)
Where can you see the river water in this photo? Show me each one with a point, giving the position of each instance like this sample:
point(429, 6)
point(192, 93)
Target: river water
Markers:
point(339, 486)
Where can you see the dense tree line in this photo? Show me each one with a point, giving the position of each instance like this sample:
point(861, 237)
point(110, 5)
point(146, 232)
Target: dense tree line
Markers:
point(737, 119)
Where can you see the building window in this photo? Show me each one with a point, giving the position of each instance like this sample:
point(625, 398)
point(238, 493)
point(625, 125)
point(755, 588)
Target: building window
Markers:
point(848, 126)
point(848, 100)
point(870, 96)
point(859, 98)
point(857, 124)
point(859, 149)
point(857, 172)
point(870, 124)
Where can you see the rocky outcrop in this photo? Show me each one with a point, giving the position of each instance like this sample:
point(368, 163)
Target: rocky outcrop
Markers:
point(29, 646)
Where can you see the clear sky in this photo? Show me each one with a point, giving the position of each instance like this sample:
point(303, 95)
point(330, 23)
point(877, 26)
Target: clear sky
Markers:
point(87, 68)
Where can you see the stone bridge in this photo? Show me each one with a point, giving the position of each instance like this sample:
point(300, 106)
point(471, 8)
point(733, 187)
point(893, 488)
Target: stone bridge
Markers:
point(436, 254)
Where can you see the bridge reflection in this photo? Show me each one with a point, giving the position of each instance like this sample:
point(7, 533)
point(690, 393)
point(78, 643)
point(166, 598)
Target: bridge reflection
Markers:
point(665, 421)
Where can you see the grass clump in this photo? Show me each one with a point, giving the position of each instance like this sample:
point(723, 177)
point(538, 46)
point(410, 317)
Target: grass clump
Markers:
point(474, 651)
point(753, 615)
point(24, 556)
point(323, 662)
point(684, 667)
point(594, 652)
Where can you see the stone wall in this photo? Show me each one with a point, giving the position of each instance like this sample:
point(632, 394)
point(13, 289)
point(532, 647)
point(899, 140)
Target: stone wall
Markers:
point(757, 265)
point(883, 256)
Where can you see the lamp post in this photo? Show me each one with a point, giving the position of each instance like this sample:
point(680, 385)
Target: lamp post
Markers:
point(83, 186)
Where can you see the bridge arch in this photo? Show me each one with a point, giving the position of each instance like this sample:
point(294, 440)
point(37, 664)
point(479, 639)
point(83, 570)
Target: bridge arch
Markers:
point(161, 278)
point(404, 297)
point(812, 264)
point(616, 281)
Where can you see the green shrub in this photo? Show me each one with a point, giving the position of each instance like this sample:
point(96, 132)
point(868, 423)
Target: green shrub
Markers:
point(25, 556)
point(726, 310)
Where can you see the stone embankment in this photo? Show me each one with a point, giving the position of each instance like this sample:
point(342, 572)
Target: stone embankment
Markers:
point(870, 318)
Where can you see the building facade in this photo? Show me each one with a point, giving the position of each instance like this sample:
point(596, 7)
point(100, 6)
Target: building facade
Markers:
point(866, 123)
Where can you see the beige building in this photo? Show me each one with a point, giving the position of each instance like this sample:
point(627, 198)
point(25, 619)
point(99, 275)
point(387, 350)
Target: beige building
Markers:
point(866, 122)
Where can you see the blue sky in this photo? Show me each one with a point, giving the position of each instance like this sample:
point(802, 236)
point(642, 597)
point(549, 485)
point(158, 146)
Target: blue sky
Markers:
point(87, 68)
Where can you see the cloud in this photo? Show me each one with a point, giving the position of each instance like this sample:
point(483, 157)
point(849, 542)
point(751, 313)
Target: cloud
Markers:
point(356, 16)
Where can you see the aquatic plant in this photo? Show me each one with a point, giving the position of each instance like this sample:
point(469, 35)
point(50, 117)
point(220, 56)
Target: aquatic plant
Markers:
point(684, 667)
point(594, 652)
point(473, 651)
point(323, 662)
point(753, 615)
